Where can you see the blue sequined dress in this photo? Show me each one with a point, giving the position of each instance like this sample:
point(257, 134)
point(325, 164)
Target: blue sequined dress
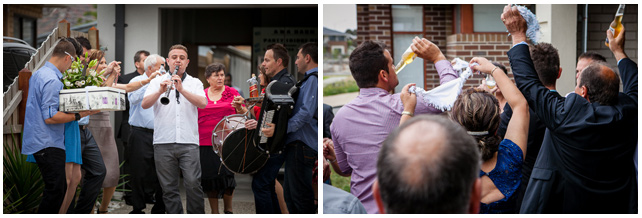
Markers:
point(507, 178)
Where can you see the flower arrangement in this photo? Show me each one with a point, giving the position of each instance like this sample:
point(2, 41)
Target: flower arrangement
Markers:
point(80, 76)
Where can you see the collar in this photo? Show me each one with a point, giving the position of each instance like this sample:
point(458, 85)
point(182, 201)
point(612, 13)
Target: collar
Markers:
point(280, 74)
point(54, 68)
point(316, 69)
point(372, 91)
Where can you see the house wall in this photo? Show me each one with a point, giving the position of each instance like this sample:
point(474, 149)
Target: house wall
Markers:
point(599, 18)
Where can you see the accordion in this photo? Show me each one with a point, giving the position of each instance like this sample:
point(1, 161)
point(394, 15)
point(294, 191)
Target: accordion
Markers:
point(276, 108)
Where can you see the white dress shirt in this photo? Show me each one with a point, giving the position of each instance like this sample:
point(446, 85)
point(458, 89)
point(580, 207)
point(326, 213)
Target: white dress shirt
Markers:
point(176, 123)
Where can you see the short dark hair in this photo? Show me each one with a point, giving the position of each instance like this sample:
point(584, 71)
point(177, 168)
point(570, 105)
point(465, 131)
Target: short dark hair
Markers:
point(181, 47)
point(281, 52)
point(366, 61)
point(63, 46)
point(137, 55)
point(77, 46)
point(445, 175)
point(593, 56)
point(546, 60)
point(213, 68)
point(311, 49)
point(601, 86)
point(84, 42)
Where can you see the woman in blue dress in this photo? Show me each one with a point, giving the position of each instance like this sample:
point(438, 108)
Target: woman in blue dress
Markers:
point(72, 162)
point(478, 111)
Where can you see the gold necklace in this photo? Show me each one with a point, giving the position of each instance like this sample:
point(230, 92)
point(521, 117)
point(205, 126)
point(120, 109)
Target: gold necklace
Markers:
point(212, 94)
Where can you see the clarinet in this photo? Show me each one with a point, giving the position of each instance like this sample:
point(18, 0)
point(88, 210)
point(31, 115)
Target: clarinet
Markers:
point(165, 99)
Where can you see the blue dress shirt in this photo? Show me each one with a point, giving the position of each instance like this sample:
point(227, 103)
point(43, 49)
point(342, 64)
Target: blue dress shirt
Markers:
point(42, 104)
point(137, 115)
point(302, 126)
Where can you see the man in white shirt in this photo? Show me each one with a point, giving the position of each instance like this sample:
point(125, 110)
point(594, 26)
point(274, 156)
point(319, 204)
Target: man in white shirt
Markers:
point(176, 133)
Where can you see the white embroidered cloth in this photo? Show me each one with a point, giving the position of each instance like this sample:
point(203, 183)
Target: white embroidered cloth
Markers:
point(443, 96)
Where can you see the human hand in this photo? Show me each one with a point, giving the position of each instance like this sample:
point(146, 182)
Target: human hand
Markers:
point(178, 84)
point(238, 102)
point(485, 66)
point(616, 44)
point(113, 67)
point(88, 113)
point(164, 86)
point(515, 23)
point(153, 75)
point(250, 124)
point(409, 100)
point(269, 131)
point(427, 50)
point(328, 150)
point(484, 86)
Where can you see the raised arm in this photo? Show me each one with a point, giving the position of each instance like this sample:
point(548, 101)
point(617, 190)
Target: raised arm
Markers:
point(628, 68)
point(549, 107)
point(517, 130)
point(135, 85)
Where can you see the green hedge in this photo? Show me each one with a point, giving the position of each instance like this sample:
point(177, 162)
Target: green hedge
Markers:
point(340, 88)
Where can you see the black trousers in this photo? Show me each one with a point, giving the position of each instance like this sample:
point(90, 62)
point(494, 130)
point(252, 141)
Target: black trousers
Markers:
point(51, 162)
point(94, 174)
point(140, 159)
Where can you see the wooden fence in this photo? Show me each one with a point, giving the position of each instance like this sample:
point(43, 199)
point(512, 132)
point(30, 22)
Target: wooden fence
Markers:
point(15, 98)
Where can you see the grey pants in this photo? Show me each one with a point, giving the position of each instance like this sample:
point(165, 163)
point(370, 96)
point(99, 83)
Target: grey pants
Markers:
point(172, 160)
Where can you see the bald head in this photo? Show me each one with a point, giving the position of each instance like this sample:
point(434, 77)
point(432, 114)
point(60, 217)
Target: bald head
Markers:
point(431, 161)
point(598, 83)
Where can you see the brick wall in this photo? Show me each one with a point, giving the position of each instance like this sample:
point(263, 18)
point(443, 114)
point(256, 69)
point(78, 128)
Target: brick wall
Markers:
point(438, 25)
point(492, 46)
point(599, 19)
point(374, 22)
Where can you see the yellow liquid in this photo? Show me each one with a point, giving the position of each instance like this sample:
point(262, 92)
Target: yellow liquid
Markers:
point(405, 61)
point(616, 27)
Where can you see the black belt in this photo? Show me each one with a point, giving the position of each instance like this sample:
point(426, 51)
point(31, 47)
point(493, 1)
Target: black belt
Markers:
point(143, 129)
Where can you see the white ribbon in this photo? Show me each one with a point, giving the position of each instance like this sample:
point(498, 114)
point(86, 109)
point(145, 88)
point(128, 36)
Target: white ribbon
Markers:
point(443, 96)
point(87, 96)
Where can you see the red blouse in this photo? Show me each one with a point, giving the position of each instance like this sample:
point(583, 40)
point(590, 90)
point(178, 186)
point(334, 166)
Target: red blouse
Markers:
point(209, 116)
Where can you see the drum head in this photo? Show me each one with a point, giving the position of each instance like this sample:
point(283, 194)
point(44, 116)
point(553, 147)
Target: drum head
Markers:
point(224, 128)
point(240, 155)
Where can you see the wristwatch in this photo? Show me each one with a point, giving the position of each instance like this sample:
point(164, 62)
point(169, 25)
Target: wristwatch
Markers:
point(77, 116)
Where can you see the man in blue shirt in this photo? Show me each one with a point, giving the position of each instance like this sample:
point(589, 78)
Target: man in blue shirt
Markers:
point(301, 142)
point(301, 147)
point(140, 155)
point(43, 135)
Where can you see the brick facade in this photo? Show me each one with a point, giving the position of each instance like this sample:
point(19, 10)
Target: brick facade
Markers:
point(492, 46)
point(599, 19)
point(374, 22)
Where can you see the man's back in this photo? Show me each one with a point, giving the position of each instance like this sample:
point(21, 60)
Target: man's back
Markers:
point(585, 163)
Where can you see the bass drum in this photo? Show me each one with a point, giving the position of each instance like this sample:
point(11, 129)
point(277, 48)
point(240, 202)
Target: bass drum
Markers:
point(239, 154)
point(224, 128)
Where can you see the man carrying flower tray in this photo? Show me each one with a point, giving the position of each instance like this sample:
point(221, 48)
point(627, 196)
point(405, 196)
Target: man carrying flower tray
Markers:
point(44, 125)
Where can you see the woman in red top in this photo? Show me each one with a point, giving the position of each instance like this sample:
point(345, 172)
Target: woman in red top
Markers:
point(216, 180)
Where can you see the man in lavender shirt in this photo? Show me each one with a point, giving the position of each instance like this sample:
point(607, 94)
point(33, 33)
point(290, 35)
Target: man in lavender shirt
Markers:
point(359, 128)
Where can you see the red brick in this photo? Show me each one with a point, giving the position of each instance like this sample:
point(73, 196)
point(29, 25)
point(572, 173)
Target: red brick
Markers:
point(471, 47)
point(486, 47)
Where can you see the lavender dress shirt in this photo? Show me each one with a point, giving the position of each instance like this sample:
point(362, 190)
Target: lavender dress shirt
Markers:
point(359, 128)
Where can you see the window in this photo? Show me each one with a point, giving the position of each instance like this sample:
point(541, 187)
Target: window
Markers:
point(25, 29)
point(486, 18)
point(407, 22)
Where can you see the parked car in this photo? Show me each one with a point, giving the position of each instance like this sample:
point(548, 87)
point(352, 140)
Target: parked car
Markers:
point(16, 53)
